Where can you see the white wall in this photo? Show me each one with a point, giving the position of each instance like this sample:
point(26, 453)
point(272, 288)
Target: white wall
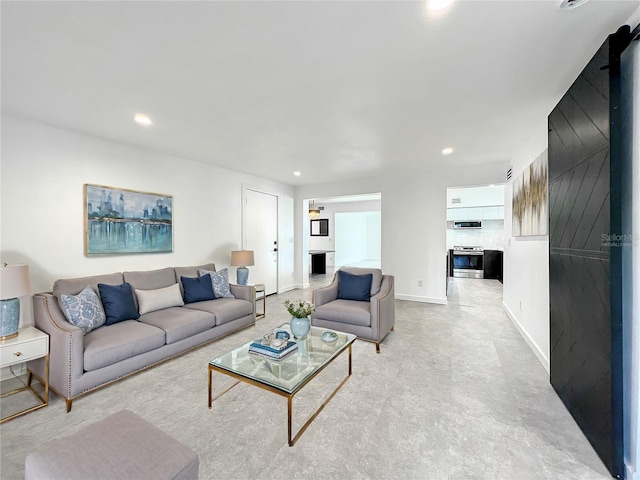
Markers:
point(526, 265)
point(351, 238)
point(374, 236)
point(358, 237)
point(413, 224)
point(43, 172)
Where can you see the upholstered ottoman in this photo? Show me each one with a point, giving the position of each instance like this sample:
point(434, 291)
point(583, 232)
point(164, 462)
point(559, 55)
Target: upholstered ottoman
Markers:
point(121, 446)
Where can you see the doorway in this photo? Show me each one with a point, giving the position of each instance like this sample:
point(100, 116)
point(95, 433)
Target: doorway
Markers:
point(261, 236)
point(353, 236)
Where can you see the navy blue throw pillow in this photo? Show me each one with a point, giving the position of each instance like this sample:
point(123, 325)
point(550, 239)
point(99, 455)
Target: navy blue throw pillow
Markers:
point(118, 303)
point(197, 289)
point(354, 287)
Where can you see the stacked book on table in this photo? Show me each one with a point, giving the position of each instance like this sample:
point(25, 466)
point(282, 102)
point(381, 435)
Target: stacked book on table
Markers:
point(272, 353)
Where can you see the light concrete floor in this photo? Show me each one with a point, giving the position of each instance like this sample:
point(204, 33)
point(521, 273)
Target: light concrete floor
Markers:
point(454, 394)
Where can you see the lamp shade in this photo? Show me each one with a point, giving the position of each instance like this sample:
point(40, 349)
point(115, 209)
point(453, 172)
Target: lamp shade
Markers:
point(14, 281)
point(242, 258)
point(314, 212)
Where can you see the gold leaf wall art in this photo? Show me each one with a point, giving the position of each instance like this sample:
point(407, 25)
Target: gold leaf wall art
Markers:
point(530, 200)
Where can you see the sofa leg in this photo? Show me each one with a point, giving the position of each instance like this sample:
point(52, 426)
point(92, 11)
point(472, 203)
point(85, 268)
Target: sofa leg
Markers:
point(29, 377)
point(393, 328)
point(68, 401)
point(377, 347)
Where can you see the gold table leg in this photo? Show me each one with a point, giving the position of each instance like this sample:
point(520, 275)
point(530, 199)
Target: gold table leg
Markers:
point(317, 412)
point(211, 398)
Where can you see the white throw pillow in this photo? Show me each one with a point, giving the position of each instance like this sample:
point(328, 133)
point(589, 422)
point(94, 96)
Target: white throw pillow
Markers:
point(152, 300)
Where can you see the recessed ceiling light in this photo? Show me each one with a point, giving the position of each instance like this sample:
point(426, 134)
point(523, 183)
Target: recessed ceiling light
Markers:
point(142, 119)
point(447, 151)
point(438, 5)
point(297, 173)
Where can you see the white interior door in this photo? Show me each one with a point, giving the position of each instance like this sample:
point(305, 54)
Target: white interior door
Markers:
point(261, 236)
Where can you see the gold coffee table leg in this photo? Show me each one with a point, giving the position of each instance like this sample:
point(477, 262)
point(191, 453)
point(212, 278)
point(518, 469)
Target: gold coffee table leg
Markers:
point(211, 398)
point(304, 427)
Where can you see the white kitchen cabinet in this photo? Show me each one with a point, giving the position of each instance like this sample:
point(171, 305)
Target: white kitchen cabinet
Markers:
point(475, 213)
point(492, 213)
point(450, 213)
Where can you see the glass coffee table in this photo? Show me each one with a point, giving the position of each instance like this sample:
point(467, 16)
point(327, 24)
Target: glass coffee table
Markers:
point(288, 376)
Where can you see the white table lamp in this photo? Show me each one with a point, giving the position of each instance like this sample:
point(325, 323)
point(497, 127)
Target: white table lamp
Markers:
point(242, 259)
point(14, 284)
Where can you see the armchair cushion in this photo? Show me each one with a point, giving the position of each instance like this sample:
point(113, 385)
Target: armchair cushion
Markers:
point(376, 282)
point(354, 287)
point(345, 311)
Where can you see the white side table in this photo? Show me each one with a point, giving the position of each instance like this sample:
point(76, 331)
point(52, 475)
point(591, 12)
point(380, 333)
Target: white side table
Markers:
point(260, 288)
point(30, 344)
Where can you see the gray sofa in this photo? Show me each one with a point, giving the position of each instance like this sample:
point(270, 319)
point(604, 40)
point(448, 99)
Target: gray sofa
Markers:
point(370, 320)
point(81, 363)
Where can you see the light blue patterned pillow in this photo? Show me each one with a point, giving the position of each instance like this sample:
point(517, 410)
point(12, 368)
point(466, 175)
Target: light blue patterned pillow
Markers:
point(220, 282)
point(84, 310)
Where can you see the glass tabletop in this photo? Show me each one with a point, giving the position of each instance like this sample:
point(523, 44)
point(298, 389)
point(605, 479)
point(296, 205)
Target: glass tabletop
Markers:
point(292, 371)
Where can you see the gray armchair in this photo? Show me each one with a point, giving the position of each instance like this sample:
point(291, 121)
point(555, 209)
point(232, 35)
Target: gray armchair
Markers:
point(370, 320)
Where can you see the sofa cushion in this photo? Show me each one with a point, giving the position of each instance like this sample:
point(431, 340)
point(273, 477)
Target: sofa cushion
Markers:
point(150, 280)
point(197, 289)
point(346, 311)
point(220, 282)
point(179, 323)
point(118, 303)
point(193, 271)
point(224, 309)
point(152, 300)
point(112, 343)
point(354, 287)
point(73, 286)
point(376, 281)
point(83, 310)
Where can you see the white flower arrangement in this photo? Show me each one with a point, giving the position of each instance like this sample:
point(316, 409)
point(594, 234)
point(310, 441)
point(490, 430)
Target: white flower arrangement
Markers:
point(299, 308)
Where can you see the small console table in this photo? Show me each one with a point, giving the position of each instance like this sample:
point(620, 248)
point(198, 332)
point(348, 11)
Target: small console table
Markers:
point(30, 344)
point(260, 288)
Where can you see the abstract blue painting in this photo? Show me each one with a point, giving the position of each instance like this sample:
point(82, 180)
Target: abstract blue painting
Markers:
point(126, 221)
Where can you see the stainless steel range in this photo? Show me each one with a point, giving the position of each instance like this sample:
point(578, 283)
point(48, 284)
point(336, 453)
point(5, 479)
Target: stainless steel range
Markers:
point(468, 262)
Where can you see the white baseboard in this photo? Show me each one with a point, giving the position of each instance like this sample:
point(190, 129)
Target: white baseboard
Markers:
point(532, 345)
point(288, 288)
point(416, 298)
point(301, 286)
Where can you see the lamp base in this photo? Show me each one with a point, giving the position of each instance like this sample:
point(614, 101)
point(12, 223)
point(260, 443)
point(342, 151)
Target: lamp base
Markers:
point(9, 318)
point(242, 275)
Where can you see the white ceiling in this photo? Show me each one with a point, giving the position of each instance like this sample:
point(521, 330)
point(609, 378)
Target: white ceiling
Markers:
point(336, 90)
